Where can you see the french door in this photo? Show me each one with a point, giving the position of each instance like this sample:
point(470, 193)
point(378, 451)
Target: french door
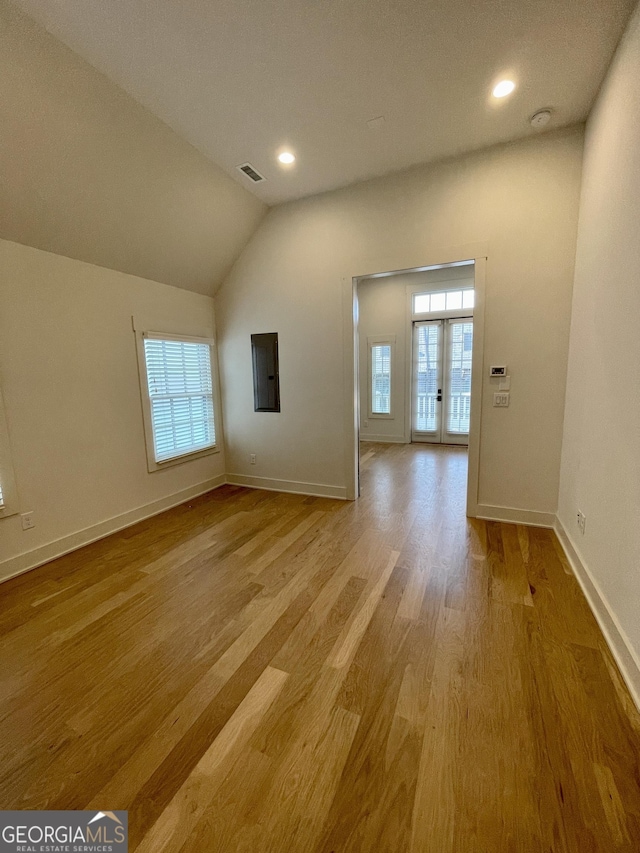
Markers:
point(441, 394)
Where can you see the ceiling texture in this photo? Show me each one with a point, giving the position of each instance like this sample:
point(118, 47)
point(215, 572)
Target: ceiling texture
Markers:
point(243, 79)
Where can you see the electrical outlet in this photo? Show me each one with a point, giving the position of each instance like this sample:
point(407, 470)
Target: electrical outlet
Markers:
point(582, 521)
point(365, 424)
point(501, 399)
point(27, 521)
point(252, 458)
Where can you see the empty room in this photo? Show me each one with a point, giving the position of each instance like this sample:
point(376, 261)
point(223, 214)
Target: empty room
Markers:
point(319, 426)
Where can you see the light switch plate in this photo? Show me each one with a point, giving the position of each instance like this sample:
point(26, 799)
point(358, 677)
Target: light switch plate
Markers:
point(501, 399)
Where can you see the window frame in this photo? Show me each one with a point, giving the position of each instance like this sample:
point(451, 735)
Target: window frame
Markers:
point(10, 505)
point(375, 341)
point(152, 464)
point(444, 313)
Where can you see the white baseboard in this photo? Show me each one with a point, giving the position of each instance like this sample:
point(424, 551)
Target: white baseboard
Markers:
point(45, 553)
point(383, 439)
point(617, 640)
point(530, 517)
point(318, 490)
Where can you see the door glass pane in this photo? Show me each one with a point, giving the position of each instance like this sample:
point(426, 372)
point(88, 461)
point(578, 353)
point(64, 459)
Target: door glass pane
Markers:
point(468, 298)
point(427, 378)
point(421, 303)
point(459, 403)
point(438, 301)
point(454, 300)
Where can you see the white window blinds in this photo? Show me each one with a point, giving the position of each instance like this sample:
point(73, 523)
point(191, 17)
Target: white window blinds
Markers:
point(381, 379)
point(181, 396)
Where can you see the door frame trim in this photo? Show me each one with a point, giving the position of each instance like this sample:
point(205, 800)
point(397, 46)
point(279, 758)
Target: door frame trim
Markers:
point(477, 379)
point(476, 252)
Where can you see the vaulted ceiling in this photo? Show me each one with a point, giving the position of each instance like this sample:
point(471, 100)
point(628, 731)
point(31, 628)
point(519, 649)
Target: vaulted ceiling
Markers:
point(243, 79)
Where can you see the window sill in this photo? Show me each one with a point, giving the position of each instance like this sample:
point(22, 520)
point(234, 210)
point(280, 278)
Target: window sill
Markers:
point(153, 466)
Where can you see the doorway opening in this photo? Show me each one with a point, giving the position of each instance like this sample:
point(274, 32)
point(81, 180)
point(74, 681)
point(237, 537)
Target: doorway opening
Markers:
point(418, 339)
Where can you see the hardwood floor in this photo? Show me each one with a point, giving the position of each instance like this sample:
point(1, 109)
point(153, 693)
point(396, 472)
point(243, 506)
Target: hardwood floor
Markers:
point(264, 672)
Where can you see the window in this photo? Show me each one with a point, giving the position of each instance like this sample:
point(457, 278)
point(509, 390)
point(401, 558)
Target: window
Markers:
point(380, 367)
point(177, 383)
point(381, 379)
point(8, 493)
point(444, 300)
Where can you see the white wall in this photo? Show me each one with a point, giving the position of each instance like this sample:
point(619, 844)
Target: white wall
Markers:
point(88, 173)
point(601, 448)
point(521, 199)
point(69, 375)
point(384, 310)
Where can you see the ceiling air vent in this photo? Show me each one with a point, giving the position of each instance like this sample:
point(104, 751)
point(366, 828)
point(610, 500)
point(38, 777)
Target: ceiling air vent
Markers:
point(248, 170)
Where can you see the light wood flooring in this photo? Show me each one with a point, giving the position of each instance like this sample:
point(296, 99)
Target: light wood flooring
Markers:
point(260, 672)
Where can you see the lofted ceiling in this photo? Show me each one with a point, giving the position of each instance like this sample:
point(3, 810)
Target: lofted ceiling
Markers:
point(243, 79)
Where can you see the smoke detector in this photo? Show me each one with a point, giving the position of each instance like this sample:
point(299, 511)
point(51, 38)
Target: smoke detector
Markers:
point(540, 118)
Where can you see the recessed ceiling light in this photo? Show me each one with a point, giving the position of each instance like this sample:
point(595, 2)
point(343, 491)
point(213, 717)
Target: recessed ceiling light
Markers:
point(504, 88)
point(286, 157)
